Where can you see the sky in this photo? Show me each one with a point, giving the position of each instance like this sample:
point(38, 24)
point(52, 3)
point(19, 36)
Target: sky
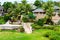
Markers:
point(30, 1)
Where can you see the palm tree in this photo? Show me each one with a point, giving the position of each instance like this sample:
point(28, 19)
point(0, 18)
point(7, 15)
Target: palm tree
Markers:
point(49, 7)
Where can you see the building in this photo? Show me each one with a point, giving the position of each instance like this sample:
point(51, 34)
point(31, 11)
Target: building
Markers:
point(56, 17)
point(1, 10)
point(39, 13)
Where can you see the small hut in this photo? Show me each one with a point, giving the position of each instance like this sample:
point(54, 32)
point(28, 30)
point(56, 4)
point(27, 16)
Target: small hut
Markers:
point(39, 13)
point(56, 17)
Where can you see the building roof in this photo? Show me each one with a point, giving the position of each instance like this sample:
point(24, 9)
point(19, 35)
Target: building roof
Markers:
point(38, 10)
point(56, 7)
point(1, 7)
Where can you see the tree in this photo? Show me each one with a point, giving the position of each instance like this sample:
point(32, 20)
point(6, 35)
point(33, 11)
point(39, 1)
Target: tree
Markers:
point(24, 2)
point(40, 22)
point(49, 7)
point(31, 17)
point(17, 9)
point(25, 7)
point(7, 5)
point(57, 3)
point(38, 3)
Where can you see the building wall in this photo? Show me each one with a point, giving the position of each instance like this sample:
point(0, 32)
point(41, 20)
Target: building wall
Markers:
point(39, 15)
point(56, 18)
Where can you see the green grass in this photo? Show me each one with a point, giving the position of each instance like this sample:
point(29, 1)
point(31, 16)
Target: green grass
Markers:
point(41, 34)
point(44, 33)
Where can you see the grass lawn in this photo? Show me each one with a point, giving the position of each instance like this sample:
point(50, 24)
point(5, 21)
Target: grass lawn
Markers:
point(41, 34)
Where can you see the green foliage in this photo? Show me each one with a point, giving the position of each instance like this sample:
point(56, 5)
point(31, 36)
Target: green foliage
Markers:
point(31, 16)
point(25, 19)
point(7, 5)
point(41, 34)
point(2, 21)
point(48, 27)
point(50, 34)
point(35, 26)
point(38, 3)
point(40, 22)
point(57, 29)
point(28, 18)
point(57, 3)
point(49, 7)
point(6, 17)
point(24, 2)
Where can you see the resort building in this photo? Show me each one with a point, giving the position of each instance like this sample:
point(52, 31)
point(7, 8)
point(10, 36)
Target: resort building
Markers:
point(56, 13)
point(39, 13)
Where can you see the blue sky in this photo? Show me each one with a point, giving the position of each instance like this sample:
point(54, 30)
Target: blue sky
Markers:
point(30, 1)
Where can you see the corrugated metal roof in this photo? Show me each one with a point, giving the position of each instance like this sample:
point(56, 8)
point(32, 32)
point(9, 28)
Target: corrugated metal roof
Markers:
point(38, 10)
point(56, 7)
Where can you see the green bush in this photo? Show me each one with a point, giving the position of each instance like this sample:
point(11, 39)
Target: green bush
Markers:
point(2, 21)
point(31, 16)
point(57, 29)
point(40, 22)
point(46, 34)
point(6, 17)
point(48, 27)
point(35, 26)
point(25, 19)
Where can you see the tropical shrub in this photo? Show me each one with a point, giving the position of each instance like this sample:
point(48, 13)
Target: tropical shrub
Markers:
point(40, 22)
point(31, 17)
point(57, 29)
point(48, 27)
point(35, 26)
point(6, 17)
point(25, 19)
point(28, 18)
point(2, 21)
